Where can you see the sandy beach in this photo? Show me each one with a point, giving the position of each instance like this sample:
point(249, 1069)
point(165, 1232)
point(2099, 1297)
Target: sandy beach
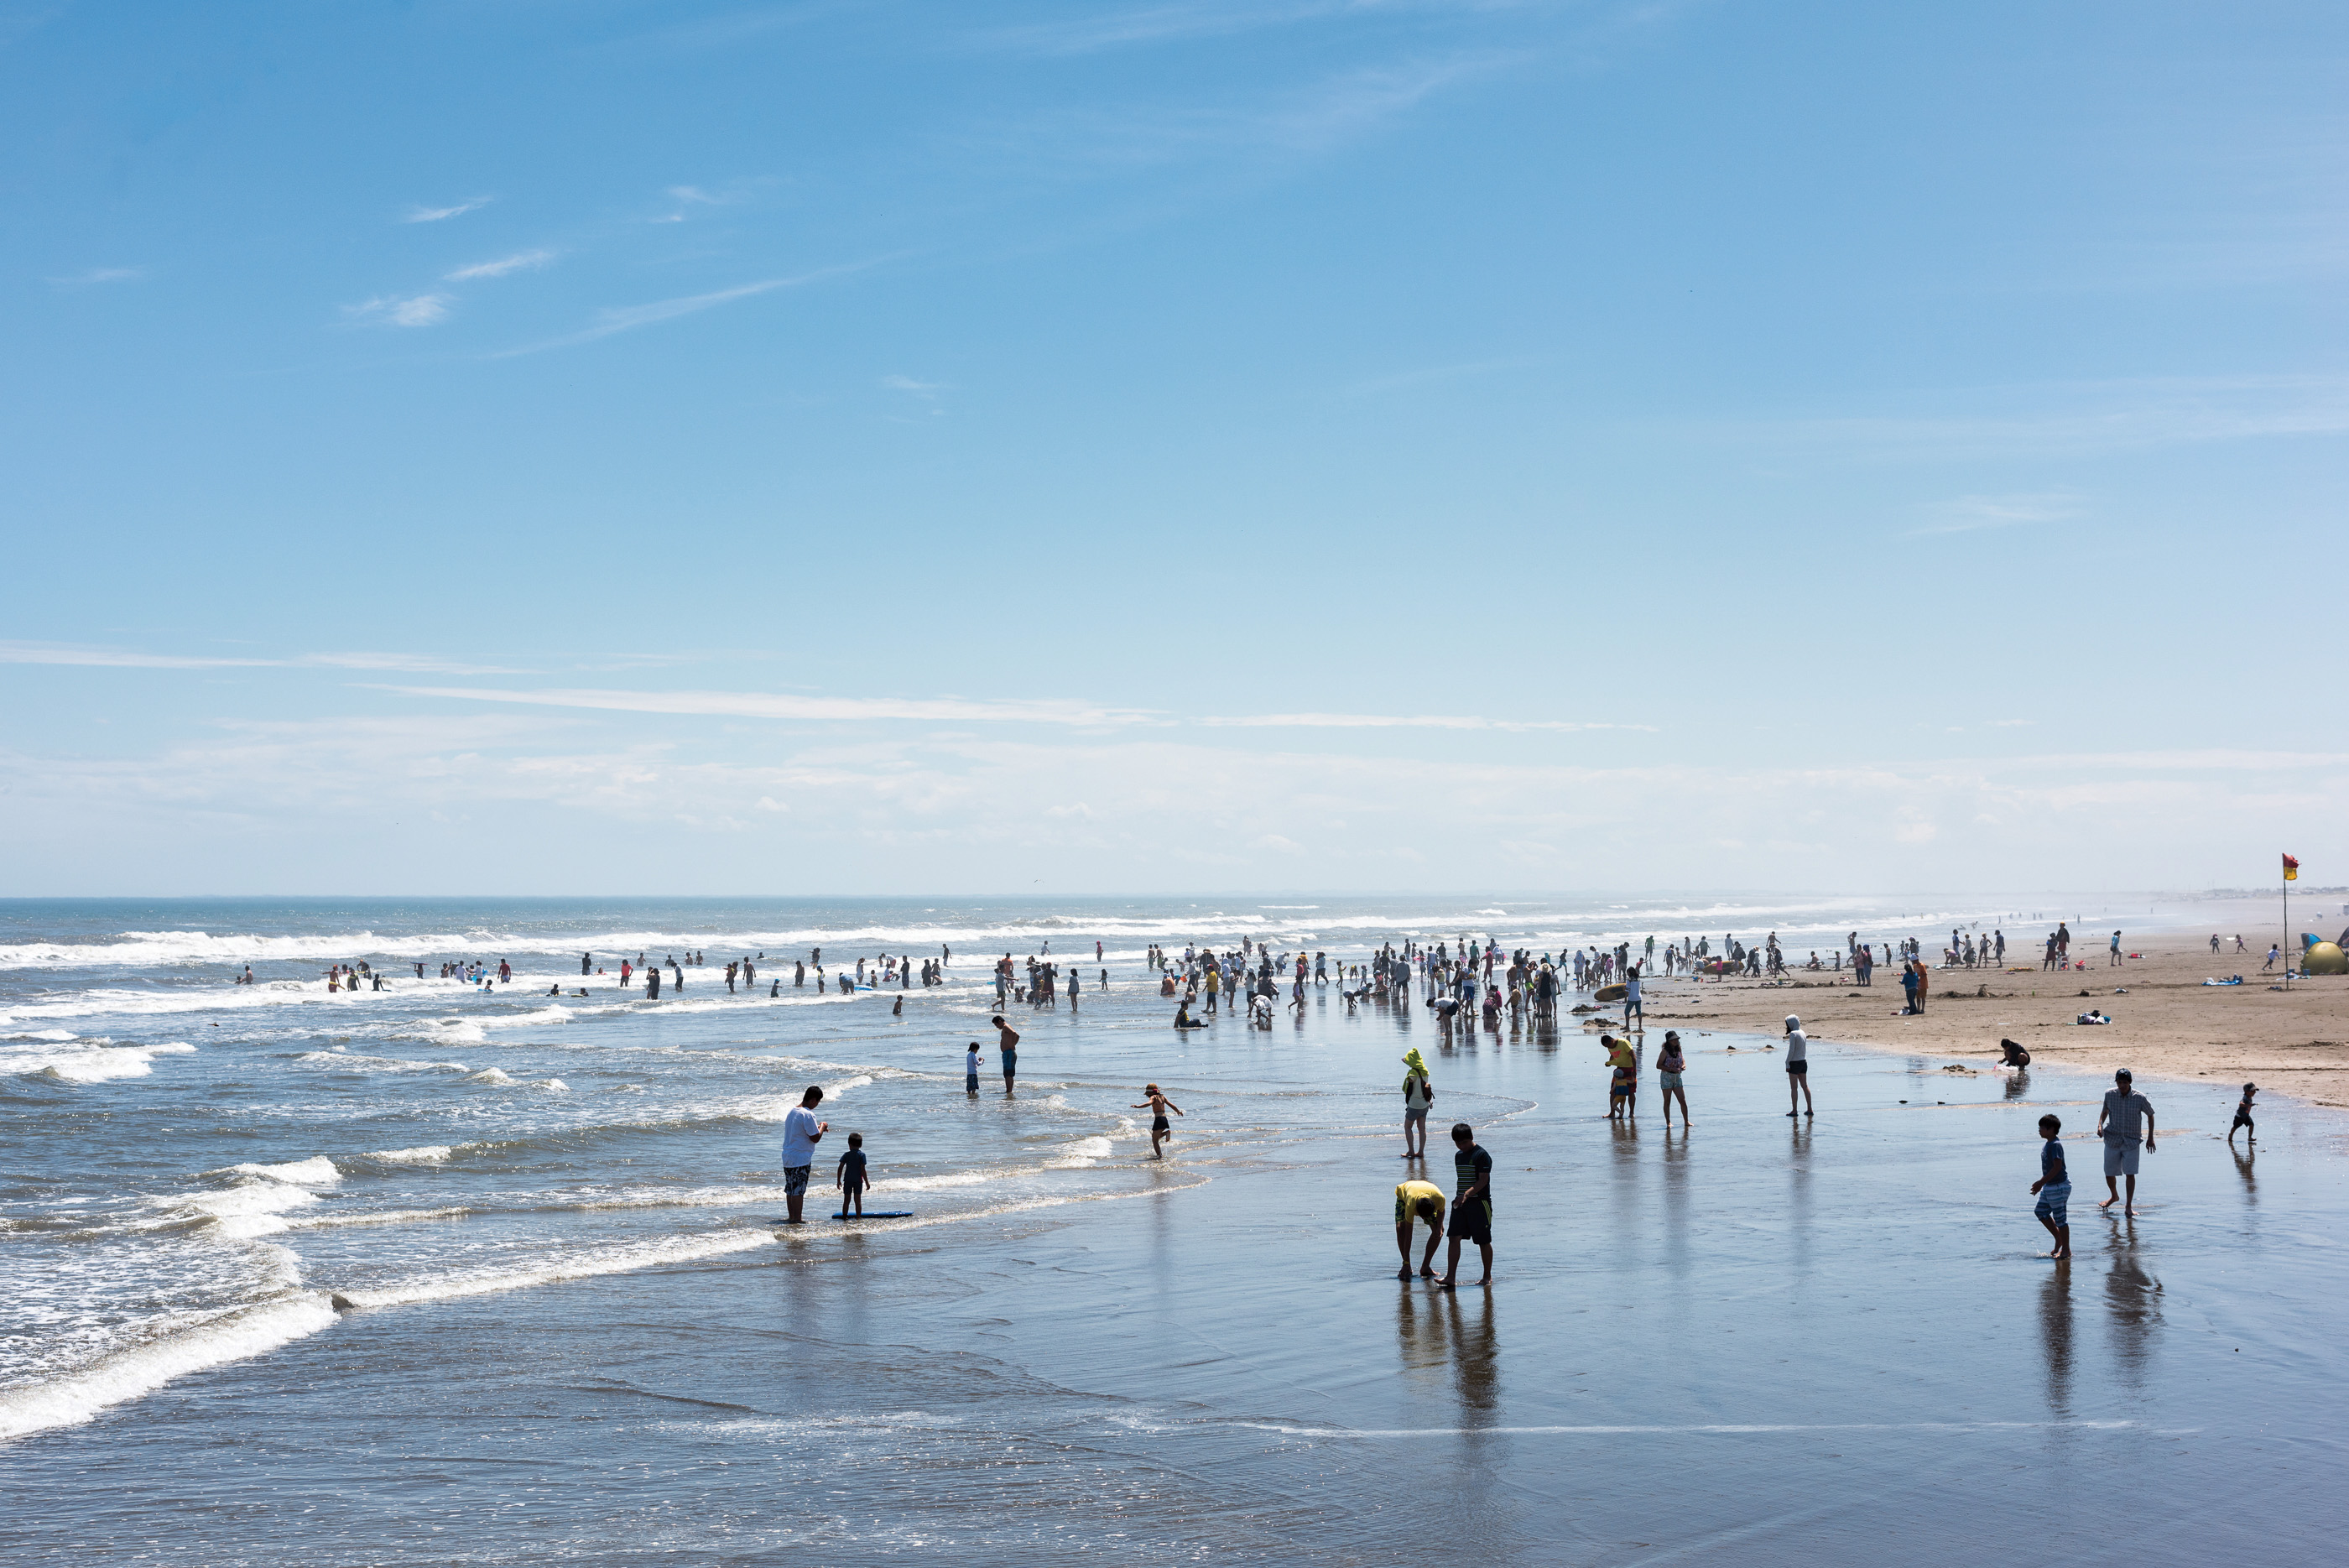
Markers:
point(2167, 1024)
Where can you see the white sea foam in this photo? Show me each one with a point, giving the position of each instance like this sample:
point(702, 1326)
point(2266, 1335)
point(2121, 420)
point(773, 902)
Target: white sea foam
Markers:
point(580, 1265)
point(254, 1207)
point(379, 1217)
point(316, 1171)
point(555, 1085)
point(356, 1063)
point(1082, 1154)
point(77, 1396)
point(95, 1060)
point(489, 1076)
point(424, 1154)
point(932, 1183)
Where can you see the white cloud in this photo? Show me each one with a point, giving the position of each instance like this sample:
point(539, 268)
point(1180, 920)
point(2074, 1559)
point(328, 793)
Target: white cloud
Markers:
point(1970, 513)
point(130, 659)
point(919, 813)
point(790, 706)
point(416, 310)
point(117, 659)
point(1402, 722)
point(627, 318)
point(440, 214)
point(919, 389)
point(520, 262)
point(102, 274)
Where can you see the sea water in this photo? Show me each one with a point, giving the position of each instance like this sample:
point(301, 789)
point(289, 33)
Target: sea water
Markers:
point(441, 1274)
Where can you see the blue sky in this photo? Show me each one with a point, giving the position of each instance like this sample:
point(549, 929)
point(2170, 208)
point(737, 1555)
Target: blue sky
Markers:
point(630, 448)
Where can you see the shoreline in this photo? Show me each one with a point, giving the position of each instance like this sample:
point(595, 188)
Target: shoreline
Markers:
point(2166, 1022)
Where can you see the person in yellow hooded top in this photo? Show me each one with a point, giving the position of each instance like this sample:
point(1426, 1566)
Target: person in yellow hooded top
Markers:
point(1424, 1200)
point(1623, 1085)
point(1418, 1094)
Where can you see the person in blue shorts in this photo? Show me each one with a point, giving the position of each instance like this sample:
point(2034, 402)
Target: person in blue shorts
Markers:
point(2053, 1187)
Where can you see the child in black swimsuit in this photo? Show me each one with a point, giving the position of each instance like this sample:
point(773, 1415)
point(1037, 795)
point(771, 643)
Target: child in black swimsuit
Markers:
point(1160, 1129)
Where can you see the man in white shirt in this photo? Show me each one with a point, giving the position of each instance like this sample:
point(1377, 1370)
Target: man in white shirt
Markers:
point(800, 1132)
point(2125, 1114)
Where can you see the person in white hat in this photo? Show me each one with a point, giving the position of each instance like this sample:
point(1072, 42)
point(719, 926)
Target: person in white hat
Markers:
point(1798, 1067)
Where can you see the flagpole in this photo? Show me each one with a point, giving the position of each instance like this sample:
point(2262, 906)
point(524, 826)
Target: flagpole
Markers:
point(2287, 931)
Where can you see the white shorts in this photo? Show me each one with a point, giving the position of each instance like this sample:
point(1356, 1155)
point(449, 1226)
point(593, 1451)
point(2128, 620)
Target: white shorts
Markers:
point(2121, 1155)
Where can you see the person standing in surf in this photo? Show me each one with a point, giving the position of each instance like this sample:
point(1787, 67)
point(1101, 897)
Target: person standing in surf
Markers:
point(802, 1133)
point(1418, 1097)
point(1007, 1044)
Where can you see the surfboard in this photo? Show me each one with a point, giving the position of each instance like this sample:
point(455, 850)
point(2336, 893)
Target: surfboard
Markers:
point(879, 1214)
point(1609, 994)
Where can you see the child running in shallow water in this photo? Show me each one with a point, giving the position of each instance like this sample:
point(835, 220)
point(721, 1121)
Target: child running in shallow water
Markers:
point(1161, 1130)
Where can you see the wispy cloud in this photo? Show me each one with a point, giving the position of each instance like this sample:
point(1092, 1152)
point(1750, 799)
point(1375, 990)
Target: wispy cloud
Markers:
point(418, 664)
point(1970, 513)
point(787, 705)
point(2085, 418)
point(117, 658)
point(1303, 121)
point(133, 658)
point(919, 389)
point(441, 214)
point(1149, 25)
point(101, 274)
point(627, 318)
point(1403, 722)
point(522, 261)
point(390, 310)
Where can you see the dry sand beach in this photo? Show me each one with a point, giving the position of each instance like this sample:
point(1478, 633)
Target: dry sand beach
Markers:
point(2167, 1024)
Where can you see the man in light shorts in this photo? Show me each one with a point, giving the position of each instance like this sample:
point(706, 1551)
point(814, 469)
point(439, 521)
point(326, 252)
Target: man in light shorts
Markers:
point(2124, 1111)
point(1418, 1094)
point(801, 1131)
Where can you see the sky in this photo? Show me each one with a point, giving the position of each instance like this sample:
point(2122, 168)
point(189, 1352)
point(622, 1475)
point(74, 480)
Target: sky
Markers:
point(1197, 445)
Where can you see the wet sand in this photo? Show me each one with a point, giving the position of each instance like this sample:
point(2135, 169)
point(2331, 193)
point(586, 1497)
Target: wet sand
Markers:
point(2169, 1025)
point(1765, 1341)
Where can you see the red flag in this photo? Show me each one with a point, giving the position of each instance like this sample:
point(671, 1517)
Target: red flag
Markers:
point(2291, 869)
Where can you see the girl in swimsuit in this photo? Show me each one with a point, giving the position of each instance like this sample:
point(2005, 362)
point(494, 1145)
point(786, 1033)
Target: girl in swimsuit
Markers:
point(1670, 1065)
point(1159, 1105)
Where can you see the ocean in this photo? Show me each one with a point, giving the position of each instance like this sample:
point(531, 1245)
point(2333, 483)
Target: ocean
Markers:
point(446, 1273)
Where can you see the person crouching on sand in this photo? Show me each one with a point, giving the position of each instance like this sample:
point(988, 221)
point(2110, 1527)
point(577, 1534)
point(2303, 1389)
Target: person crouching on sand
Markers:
point(1422, 1201)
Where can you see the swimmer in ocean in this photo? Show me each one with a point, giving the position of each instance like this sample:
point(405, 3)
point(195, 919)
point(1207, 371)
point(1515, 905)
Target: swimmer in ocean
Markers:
point(1160, 1129)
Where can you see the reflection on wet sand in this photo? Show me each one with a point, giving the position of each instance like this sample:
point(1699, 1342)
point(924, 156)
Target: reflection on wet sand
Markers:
point(2134, 1296)
point(1475, 1358)
point(2055, 1337)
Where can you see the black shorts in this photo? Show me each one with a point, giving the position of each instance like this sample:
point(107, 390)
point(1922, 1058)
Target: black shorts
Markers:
point(1802, 1067)
point(1472, 1222)
point(1158, 1123)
